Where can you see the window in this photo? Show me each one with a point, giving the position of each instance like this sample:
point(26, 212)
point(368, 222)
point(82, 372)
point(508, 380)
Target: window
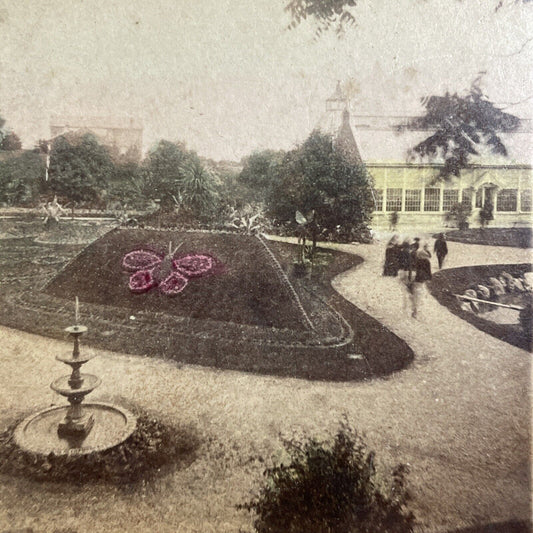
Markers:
point(450, 198)
point(378, 197)
point(479, 198)
point(525, 200)
point(507, 200)
point(431, 199)
point(394, 200)
point(467, 197)
point(412, 199)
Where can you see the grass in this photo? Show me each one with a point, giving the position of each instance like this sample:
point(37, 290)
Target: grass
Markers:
point(446, 283)
point(152, 449)
point(243, 318)
point(516, 237)
point(461, 421)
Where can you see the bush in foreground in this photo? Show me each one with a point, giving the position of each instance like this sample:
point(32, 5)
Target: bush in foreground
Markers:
point(331, 487)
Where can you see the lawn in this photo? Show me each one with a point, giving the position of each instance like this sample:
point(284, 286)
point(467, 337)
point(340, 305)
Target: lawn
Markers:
point(517, 237)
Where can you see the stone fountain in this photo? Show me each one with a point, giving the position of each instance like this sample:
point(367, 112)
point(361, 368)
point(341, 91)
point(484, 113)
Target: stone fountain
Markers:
point(77, 422)
point(78, 428)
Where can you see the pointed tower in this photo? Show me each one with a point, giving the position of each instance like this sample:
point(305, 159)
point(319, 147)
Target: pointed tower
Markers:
point(336, 122)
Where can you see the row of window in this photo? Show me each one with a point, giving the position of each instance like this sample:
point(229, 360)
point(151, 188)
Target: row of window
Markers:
point(506, 199)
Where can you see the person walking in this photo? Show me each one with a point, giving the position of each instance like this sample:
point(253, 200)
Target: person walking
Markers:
point(405, 274)
point(441, 249)
point(422, 274)
point(390, 268)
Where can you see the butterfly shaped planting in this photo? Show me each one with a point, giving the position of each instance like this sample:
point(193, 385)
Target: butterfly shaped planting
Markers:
point(170, 274)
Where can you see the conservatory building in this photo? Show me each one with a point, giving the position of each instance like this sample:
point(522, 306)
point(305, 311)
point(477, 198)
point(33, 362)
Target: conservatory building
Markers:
point(411, 189)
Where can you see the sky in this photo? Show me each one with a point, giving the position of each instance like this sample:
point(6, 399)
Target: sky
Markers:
point(227, 77)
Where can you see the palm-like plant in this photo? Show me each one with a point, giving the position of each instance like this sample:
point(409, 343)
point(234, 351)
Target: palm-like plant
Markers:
point(197, 189)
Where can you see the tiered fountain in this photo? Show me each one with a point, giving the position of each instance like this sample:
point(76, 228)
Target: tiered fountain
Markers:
point(75, 387)
point(77, 428)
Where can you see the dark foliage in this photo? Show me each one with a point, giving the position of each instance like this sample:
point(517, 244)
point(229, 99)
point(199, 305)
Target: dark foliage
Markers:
point(326, 13)
point(80, 168)
point(331, 487)
point(317, 178)
point(11, 142)
point(152, 447)
point(486, 214)
point(459, 214)
point(179, 180)
point(461, 126)
point(20, 177)
point(164, 166)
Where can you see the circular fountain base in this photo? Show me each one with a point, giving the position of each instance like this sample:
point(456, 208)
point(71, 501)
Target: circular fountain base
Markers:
point(38, 432)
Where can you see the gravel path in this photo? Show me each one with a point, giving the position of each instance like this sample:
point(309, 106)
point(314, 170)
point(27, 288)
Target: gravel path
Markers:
point(460, 416)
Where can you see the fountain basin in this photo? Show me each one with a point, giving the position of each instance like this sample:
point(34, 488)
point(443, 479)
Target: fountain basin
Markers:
point(38, 433)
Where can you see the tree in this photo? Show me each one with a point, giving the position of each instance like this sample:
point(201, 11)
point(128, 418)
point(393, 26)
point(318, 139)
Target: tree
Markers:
point(11, 142)
point(80, 168)
point(197, 188)
point(317, 177)
point(20, 178)
point(261, 171)
point(129, 184)
point(462, 126)
point(180, 180)
point(165, 166)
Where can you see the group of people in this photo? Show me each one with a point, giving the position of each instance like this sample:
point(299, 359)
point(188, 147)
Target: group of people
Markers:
point(410, 262)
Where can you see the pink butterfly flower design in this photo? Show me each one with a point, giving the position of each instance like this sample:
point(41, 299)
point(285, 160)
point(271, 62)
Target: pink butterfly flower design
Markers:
point(153, 269)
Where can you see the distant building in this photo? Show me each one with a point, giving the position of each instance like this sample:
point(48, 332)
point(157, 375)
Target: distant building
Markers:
point(124, 136)
point(409, 187)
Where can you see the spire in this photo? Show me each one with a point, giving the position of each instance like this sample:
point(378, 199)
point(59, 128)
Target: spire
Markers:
point(336, 122)
point(344, 141)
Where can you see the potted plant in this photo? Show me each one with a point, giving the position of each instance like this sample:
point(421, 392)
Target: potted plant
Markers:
point(305, 230)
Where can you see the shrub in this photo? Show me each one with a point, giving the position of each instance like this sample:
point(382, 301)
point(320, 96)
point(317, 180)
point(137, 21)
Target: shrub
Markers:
point(459, 215)
point(486, 214)
point(331, 487)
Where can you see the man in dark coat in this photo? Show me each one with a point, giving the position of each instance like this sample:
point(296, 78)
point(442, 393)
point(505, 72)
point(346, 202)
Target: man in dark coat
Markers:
point(441, 248)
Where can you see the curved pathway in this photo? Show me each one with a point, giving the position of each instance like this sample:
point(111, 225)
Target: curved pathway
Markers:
point(460, 416)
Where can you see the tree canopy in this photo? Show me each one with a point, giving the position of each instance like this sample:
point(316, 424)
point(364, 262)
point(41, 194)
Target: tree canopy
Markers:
point(20, 178)
point(316, 178)
point(260, 171)
point(165, 168)
point(179, 179)
point(462, 127)
point(11, 142)
point(80, 168)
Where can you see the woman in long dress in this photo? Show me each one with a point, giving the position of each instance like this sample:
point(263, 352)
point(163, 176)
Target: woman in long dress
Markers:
point(392, 253)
